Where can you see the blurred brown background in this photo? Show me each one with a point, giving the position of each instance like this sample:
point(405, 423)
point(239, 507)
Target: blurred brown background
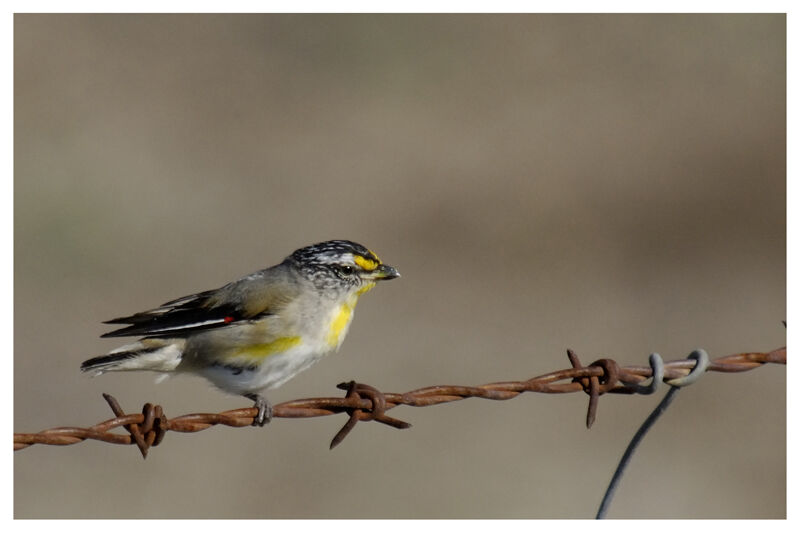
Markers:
point(612, 184)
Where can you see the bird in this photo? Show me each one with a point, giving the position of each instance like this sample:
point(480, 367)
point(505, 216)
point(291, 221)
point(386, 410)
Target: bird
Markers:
point(256, 333)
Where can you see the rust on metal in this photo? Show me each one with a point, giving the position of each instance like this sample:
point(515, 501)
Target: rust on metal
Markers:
point(363, 402)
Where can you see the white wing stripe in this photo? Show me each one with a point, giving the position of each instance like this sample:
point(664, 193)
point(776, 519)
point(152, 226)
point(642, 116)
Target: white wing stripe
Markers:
point(187, 326)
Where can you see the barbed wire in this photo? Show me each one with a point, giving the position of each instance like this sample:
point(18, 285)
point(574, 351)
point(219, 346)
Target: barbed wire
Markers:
point(363, 402)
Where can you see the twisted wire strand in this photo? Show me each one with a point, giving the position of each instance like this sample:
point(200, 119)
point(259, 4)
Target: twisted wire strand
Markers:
point(363, 403)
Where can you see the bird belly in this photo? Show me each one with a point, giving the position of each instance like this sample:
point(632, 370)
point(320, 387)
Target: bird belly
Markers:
point(249, 360)
point(245, 375)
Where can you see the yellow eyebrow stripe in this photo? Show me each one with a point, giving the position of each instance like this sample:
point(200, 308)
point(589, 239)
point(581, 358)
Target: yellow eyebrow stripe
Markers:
point(365, 263)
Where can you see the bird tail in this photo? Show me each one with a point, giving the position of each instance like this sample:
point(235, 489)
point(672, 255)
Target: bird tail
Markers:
point(160, 355)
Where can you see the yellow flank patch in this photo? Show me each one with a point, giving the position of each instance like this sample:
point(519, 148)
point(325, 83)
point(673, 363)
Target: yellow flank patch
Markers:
point(339, 324)
point(257, 352)
point(366, 263)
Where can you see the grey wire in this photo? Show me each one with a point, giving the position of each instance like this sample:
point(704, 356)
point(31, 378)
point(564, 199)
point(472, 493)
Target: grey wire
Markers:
point(657, 366)
point(702, 361)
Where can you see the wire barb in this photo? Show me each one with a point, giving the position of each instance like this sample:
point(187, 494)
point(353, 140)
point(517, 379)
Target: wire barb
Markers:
point(594, 386)
point(376, 412)
point(364, 403)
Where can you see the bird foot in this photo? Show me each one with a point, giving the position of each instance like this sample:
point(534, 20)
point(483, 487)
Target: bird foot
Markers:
point(264, 409)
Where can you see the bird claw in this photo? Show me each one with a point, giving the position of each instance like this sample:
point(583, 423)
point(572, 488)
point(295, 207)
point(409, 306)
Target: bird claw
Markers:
point(264, 409)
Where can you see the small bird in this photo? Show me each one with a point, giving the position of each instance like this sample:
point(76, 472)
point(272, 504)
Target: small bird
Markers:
point(258, 332)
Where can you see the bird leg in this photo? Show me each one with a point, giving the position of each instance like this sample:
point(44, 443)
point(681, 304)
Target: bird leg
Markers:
point(264, 409)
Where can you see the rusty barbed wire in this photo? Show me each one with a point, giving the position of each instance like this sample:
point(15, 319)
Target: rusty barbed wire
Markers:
point(363, 402)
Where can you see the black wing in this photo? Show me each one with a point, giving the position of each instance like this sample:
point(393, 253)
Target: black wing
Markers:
point(262, 293)
point(178, 317)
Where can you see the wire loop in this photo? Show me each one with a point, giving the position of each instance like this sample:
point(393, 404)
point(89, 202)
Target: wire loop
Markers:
point(700, 366)
point(657, 368)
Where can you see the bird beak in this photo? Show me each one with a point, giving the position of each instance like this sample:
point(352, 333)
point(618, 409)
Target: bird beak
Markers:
point(384, 272)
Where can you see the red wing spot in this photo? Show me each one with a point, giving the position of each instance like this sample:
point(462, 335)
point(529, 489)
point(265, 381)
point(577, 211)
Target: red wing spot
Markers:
point(228, 319)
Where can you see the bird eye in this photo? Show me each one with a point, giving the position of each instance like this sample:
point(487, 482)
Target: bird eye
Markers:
point(346, 270)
